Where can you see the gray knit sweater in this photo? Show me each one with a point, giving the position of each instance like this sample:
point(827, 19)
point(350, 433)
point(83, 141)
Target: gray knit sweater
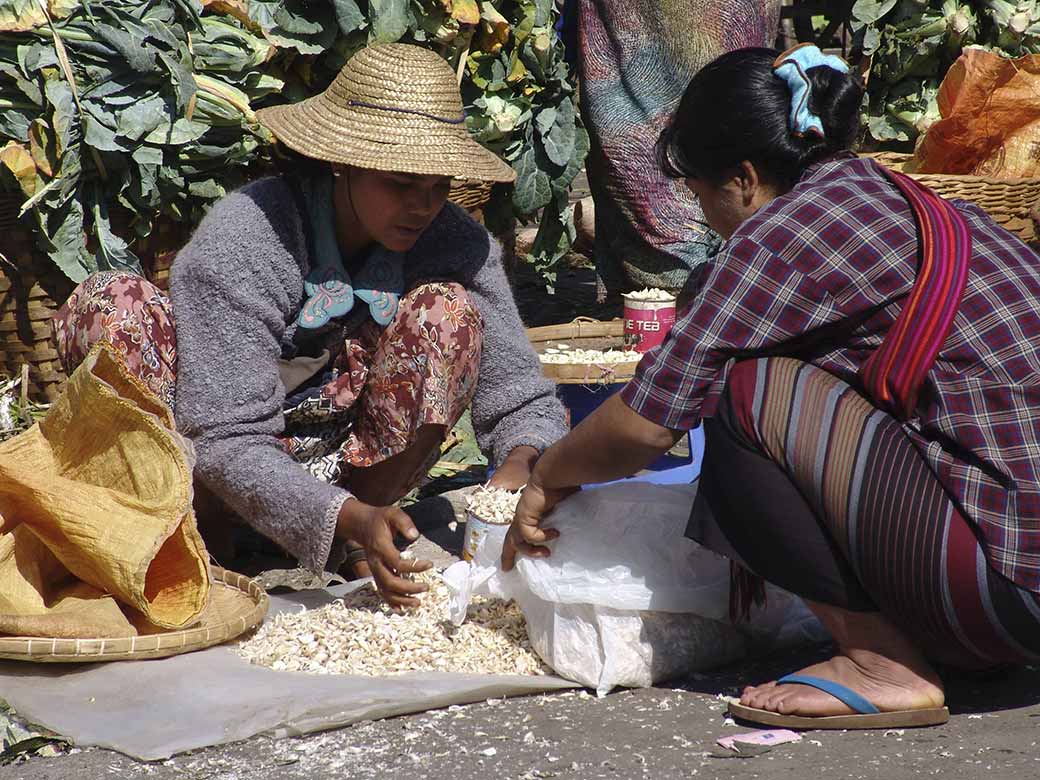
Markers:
point(237, 287)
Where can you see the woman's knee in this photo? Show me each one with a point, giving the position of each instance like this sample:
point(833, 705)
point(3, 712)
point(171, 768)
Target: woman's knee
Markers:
point(427, 361)
point(443, 313)
point(128, 312)
point(446, 303)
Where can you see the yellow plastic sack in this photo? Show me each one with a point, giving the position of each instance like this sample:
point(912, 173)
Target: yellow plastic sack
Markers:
point(97, 534)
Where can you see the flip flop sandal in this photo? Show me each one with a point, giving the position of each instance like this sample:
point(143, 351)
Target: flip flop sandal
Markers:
point(868, 717)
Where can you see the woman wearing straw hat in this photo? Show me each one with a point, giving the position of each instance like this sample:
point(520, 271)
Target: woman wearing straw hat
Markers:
point(334, 322)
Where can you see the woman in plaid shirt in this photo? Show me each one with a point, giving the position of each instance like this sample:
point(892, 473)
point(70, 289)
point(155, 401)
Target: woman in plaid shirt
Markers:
point(865, 358)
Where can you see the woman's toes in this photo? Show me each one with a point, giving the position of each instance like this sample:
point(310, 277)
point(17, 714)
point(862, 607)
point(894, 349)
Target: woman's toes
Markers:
point(754, 695)
point(750, 699)
point(790, 702)
point(776, 701)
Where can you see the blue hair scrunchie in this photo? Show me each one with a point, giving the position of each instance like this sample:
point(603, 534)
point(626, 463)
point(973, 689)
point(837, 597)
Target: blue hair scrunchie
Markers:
point(793, 66)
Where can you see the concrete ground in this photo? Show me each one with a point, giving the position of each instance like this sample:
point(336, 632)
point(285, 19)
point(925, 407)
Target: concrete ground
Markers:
point(663, 732)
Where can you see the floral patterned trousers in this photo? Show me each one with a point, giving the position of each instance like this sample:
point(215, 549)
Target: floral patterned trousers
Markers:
point(385, 384)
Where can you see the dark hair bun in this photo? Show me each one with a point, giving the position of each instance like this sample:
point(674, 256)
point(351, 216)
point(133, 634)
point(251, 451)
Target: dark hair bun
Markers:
point(736, 108)
point(836, 98)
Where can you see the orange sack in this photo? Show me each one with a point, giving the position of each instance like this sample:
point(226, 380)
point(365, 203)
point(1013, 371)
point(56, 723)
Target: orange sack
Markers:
point(990, 124)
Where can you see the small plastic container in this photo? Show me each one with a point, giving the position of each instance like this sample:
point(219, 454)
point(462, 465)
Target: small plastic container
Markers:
point(477, 530)
point(647, 321)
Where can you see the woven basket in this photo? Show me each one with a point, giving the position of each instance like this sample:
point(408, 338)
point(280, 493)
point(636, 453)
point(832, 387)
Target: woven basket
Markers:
point(1007, 201)
point(584, 333)
point(29, 286)
point(32, 289)
point(237, 605)
point(470, 194)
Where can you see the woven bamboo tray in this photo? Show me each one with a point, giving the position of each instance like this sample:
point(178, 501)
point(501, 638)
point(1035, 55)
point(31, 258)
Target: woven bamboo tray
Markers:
point(1007, 201)
point(237, 605)
point(584, 333)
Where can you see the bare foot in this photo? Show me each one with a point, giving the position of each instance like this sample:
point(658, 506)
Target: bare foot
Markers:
point(889, 684)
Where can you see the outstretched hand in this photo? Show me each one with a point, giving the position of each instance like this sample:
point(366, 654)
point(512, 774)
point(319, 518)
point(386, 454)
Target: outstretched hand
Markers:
point(374, 528)
point(526, 534)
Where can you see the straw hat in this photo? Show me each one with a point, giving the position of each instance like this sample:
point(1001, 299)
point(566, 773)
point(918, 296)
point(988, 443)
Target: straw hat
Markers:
point(393, 107)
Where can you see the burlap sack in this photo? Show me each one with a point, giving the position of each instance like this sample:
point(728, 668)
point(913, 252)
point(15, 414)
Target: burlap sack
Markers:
point(96, 514)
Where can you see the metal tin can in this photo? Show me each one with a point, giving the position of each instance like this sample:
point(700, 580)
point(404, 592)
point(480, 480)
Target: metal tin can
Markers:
point(478, 529)
point(647, 322)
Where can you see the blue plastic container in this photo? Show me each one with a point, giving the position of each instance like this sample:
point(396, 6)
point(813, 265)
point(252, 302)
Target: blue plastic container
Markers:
point(582, 400)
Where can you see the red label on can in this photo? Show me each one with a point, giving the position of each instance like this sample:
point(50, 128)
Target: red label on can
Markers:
point(647, 323)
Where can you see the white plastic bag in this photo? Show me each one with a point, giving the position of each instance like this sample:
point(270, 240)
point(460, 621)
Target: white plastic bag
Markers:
point(626, 599)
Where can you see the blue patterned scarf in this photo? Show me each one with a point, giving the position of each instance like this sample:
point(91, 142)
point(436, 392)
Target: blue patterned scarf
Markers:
point(329, 289)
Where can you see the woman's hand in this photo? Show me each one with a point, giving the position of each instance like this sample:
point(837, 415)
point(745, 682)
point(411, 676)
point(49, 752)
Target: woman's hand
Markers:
point(614, 441)
point(374, 527)
point(515, 471)
point(526, 535)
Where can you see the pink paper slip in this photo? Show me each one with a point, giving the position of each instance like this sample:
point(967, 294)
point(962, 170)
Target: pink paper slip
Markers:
point(765, 738)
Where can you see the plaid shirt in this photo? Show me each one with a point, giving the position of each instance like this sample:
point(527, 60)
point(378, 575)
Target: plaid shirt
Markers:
point(820, 273)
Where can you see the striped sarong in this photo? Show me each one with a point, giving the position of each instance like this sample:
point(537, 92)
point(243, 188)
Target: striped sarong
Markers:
point(809, 485)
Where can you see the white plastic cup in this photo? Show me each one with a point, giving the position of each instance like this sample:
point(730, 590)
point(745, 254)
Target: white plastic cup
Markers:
point(478, 530)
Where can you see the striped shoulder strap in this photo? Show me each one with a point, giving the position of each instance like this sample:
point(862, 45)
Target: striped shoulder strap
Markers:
point(893, 375)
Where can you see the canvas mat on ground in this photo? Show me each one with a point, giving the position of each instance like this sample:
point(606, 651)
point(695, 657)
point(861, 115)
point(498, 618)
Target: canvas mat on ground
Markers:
point(153, 709)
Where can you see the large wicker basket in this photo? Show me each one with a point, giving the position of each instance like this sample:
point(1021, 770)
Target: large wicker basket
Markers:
point(29, 288)
point(1008, 201)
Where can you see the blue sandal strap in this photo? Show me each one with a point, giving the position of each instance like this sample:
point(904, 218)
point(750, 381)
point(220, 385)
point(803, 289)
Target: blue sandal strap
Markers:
point(840, 692)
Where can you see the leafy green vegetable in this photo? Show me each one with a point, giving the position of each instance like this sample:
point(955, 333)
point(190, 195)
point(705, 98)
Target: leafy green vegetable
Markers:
point(912, 44)
point(307, 27)
point(152, 84)
point(1017, 25)
point(533, 188)
point(155, 111)
point(390, 19)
